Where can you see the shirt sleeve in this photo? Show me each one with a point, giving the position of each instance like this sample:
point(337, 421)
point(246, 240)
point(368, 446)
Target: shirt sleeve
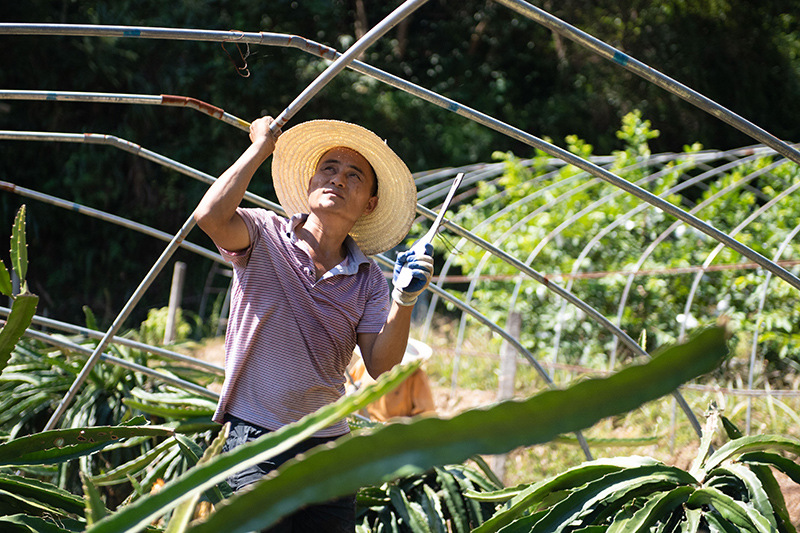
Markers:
point(252, 219)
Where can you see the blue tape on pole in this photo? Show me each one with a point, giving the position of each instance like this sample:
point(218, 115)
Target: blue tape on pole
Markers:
point(132, 33)
point(454, 107)
point(51, 96)
point(620, 58)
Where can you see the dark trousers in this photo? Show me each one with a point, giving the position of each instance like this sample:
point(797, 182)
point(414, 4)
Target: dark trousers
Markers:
point(335, 516)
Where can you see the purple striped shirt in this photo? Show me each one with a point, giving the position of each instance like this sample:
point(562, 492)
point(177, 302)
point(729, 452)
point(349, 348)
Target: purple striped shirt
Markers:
point(289, 338)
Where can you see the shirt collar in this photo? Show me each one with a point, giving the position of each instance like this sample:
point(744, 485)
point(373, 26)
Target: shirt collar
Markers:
point(355, 256)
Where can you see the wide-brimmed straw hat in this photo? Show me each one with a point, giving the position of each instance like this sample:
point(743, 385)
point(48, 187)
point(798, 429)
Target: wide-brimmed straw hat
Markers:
point(294, 162)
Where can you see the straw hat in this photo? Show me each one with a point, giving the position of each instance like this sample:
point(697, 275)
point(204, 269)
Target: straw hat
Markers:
point(297, 153)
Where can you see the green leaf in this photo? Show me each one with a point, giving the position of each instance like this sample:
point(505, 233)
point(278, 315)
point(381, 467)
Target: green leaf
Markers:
point(758, 498)
point(473, 507)
point(524, 524)
point(180, 412)
point(433, 509)
point(705, 442)
point(453, 500)
point(133, 467)
point(36, 524)
point(12, 503)
point(6, 288)
point(787, 466)
point(372, 496)
point(43, 492)
point(616, 488)
point(397, 450)
point(718, 524)
point(773, 490)
point(412, 516)
point(731, 429)
point(488, 472)
point(22, 310)
point(657, 509)
point(532, 495)
point(737, 513)
point(172, 398)
point(214, 494)
point(91, 320)
point(752, 444)
point(19, 246)
point(692, 521)
point(182, 515)
point(95, 508)
point(62, 445)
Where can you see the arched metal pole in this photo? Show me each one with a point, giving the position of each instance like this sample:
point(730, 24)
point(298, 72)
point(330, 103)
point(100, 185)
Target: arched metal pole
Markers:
point(106, 217)
point(619, 220)
point(627, 216)
point(398, 14)
point(653, 76)
point(134, 367)
point(132, 148)
point(484, 223)
point(559, 291)
point(122, 341)
point(710, 259)
point(430, 96)
point(678, 397)
point(119, 98)
point(500, 331)
point(789, 238)
point(117, 324)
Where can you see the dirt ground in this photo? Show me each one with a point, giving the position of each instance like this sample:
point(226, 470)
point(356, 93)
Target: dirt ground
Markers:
point(465, 399)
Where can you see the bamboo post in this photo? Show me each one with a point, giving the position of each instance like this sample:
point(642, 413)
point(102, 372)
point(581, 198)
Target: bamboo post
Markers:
point(505, 387)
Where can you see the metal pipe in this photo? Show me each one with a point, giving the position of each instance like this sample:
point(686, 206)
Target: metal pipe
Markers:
point(451, 105)
point(107, 217)
point(500, 331)
point(653, 76)
point(321, 80)
point(93, 334)
point(118, 98)
point(558, 290)
point(117, 324)
point(71, 346)
point(754, 215)
point(405, 9)
point(132, 148)
point(623, 218)
point(789, 238)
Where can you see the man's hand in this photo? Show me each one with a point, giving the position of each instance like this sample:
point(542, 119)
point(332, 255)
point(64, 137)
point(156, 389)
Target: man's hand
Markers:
point(262, 137)
point(421, 271)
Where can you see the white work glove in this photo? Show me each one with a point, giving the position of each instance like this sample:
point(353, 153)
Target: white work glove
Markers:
point(421, 271)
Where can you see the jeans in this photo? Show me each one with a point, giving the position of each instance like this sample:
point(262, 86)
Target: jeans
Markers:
point(335, 516)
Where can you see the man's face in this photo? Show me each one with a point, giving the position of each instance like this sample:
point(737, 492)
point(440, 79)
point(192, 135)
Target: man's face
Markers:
point(343, 182)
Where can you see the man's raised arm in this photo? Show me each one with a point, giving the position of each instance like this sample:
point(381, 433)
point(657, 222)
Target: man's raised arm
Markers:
point(216, 213)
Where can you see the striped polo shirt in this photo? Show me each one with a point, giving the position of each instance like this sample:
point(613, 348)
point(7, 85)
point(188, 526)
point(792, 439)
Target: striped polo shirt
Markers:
point(289, 338)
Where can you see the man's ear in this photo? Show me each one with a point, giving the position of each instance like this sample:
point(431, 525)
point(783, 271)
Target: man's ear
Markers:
point(371, 205)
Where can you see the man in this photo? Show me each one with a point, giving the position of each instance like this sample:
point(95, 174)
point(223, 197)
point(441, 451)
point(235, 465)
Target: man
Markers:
point(304, 293)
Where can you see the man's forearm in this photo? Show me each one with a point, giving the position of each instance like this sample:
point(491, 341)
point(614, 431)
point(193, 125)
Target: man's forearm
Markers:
point(390, 343)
